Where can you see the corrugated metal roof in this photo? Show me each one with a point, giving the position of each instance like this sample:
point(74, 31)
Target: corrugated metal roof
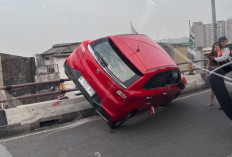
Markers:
point(62, 48)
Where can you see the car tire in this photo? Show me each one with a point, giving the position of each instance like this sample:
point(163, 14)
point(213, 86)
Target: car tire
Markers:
point(114, 125)
point(165, 104)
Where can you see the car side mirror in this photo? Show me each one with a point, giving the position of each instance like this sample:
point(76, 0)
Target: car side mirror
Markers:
point(221, 83)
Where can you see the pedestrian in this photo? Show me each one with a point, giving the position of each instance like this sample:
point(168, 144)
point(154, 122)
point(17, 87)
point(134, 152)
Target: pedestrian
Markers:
point(212, 64)
point(226, 54)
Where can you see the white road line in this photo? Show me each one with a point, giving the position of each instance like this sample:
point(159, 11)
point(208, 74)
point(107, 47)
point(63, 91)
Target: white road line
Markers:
point(191, 95)
point(78, 123)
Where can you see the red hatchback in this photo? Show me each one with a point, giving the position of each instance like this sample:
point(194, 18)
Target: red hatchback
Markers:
point(122, 74)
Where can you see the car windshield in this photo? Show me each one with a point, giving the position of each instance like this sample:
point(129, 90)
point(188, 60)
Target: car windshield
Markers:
point(110, 58)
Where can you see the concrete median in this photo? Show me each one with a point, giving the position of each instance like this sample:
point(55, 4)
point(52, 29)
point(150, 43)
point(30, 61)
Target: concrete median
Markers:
point(194, 82)
point(35, 115)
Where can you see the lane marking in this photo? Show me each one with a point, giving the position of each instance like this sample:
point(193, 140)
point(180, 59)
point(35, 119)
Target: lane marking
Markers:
point(70, 126)
point(80, 122)
point(191, 95)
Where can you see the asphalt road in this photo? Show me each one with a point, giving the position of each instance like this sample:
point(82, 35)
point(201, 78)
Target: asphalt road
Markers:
point(185, 128)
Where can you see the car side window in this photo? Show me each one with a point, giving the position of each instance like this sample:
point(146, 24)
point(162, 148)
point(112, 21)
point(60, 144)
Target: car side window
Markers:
point(163, 79)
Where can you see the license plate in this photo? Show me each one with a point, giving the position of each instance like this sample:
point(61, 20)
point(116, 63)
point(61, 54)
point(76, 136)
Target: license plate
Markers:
point(86, 86)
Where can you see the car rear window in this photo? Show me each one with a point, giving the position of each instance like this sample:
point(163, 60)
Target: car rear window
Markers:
point(163, 79)
point(112, 60)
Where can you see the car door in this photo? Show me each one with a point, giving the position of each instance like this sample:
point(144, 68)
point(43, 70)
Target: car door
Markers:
point(221, 83)
point(159, 89)
point(156, 97)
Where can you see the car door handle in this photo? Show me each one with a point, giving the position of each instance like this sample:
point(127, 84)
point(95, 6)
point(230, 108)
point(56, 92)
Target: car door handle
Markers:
point(148, 98)
point(165, 94)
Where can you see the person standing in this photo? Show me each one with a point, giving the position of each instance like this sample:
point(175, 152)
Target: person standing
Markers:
point(212, 64)
point(225, 56)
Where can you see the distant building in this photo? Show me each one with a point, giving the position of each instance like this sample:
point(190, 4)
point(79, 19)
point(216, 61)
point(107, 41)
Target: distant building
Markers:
point(52, 60)
point(204, 35)
point(229, 29)
point(208, 35)
point(198, 31)
point(175, 40)
point(221, 29)
point(50, 63)
point(178, 52)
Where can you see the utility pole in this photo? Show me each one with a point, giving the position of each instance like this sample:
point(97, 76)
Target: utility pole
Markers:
point(214, 20)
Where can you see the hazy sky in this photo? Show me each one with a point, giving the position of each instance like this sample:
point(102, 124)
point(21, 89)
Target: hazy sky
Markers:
point(28, 27)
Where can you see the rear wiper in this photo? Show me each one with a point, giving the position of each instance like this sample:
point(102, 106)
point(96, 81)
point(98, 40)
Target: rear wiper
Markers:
point(100, 59)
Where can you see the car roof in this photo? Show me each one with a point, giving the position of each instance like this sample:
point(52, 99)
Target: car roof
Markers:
point(143, 53)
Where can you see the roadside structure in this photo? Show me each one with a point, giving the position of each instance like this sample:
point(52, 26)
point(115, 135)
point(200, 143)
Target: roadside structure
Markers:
point(50, 63)
point(16, 70)
point(178, 52)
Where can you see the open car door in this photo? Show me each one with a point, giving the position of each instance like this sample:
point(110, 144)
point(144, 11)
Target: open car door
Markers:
point(221, 82)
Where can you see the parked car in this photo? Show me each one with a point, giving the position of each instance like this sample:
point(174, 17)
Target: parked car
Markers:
point(122, 74)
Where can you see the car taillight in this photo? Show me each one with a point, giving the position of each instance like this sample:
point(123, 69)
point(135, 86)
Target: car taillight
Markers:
point(83, 48)
point(124, 96)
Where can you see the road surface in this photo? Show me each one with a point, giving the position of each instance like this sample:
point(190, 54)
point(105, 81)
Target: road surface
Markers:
point(185, 128)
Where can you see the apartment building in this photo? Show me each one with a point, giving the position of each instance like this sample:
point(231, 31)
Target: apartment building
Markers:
point(204, 35)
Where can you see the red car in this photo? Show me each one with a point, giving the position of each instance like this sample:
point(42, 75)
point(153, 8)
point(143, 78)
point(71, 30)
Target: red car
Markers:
point(122, 74)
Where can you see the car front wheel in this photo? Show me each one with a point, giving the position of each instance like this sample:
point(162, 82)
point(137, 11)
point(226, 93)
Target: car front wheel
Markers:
point(114, 125)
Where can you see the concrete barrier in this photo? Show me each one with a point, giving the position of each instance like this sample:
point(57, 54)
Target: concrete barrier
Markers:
point(3, 120)
point(194, 82)
point(34, 115)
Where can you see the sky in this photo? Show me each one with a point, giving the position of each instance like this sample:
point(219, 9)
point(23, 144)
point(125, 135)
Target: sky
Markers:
point(29, 27)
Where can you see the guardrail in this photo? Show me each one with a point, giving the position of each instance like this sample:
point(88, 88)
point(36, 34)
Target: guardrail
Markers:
point(63, 91)
point(190, 66)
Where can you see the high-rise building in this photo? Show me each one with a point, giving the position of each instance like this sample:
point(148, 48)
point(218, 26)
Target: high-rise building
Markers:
point(204, 34)
point(229, 29)
point(198, 31)
point(208, 35)
point(221, 28)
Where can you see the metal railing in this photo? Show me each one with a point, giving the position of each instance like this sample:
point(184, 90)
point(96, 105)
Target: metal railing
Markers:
point(7, 88)
point(191, 68)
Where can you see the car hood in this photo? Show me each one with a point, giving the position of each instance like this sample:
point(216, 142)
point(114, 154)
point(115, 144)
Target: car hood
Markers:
point(143, 53)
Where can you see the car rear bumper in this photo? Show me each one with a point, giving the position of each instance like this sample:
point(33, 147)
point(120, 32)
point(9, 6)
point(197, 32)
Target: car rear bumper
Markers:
point(95, 100)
